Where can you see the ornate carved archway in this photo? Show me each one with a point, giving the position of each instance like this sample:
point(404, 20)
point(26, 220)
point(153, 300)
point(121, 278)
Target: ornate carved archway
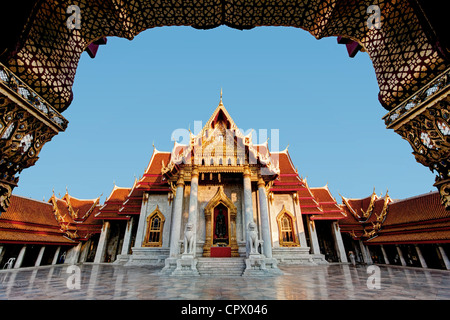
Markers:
point(220, 198)
point(40, 51)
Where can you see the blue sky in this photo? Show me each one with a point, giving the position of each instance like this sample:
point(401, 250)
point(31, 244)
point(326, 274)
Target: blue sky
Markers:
point(136, 93)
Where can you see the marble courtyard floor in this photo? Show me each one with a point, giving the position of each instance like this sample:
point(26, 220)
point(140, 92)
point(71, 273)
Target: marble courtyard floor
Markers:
point(331, 282)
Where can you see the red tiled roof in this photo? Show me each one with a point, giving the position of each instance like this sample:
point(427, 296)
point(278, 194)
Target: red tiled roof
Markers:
point(133, 201)
point(9, 236)
point(364, 217)
point(422, 208)
point(76, 216)
point(29, 211)
point(330, 209)
point(30, 221)
point(420, 219)
point(288, 179)
point(308, 203)
point(113, 204)
point(152, 178)
point(428, 236)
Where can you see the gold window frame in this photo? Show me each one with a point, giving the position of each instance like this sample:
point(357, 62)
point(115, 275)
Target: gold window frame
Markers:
point(147, 243)
point(280, 216)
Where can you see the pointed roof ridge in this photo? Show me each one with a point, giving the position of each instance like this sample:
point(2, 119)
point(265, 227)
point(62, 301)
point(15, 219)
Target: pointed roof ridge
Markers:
point(349, 207)
point(135, 184)
point(72, 197)
point(368, 197)
point(112, 191)
point(219, 108)
point(155, 150)
point(416, 196)
point(285, 151)
point(154, 153)
point(27, 198)
point(220, 102)
point(327, 188)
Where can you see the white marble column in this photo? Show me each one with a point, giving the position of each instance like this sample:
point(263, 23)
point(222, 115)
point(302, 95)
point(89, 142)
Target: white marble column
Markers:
point(75, 254)
point(385, 256)
point(248, 204)
point(264, 216)
point(39, 257)
point(142, 222)
point(423, 263)
point(193, 204)
point(400, 254)
point(338, 242)
point(315, 248)
point(365, 253)
point(102, 242)
point(2, 252)
point(127, 237)
point(85, 251)
point(299, 221)
point(444, 257)
point(56, 255)
point(176, 218)
point(20, 257)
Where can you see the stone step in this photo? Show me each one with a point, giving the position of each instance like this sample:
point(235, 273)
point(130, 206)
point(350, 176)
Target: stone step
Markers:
point(221, 266)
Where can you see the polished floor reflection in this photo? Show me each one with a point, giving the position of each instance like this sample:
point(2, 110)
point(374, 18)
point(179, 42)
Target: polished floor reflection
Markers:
point(332, 282)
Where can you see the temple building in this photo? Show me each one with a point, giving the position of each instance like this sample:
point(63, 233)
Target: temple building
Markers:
point(223, 205)
point(35, 233)
point(410, 232)
point(220, 196)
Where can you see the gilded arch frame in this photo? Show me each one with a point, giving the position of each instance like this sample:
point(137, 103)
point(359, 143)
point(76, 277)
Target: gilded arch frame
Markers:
point(148, 230)
point(220, 198)
point(293, 220)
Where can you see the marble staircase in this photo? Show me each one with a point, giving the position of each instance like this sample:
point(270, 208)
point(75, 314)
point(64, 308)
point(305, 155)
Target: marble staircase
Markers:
point(220, 266)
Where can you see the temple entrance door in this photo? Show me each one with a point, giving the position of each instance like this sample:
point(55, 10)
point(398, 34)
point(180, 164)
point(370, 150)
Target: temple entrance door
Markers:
point(221, 236)
point(220, 218)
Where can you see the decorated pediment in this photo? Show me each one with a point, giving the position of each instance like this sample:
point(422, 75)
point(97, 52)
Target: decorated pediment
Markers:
point(220, 143)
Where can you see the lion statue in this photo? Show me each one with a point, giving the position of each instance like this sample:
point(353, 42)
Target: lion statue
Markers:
point(253, 238)
point(189, 241)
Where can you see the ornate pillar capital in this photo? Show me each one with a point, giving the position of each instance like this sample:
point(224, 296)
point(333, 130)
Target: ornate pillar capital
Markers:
point(180, 181)
point(194, 172)
point(261, 183)
point(247, 171)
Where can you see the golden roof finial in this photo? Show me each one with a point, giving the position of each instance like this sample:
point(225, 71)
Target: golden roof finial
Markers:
point(220, 103)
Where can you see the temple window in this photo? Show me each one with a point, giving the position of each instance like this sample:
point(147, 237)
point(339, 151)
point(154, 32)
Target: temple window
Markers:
point(155, 224)
point(229, 161)
point(286, 229)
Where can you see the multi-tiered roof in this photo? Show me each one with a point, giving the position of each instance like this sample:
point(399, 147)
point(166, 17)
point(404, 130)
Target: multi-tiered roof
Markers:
point(221, 147)
point(381, 220)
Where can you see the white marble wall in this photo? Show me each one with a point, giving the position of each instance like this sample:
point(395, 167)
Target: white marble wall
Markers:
point(160, 200)
point(147, 209)
point(205, 194)
point(279, 200)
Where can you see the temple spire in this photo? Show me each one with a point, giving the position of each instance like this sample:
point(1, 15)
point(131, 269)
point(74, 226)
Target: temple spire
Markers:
point(220, 103)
